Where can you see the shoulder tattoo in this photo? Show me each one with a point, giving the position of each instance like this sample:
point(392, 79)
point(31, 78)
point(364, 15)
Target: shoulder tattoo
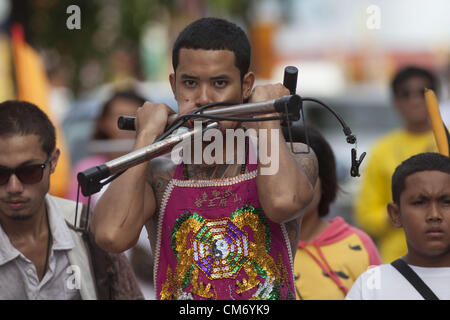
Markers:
point(293, 232)
point(306, 159)
point(158, 177)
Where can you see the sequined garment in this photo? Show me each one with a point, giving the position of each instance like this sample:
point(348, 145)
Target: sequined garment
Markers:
point(215, 242)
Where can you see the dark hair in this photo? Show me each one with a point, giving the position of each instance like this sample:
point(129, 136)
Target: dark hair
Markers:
point(129, 95)
point(326, 161)
point(421, 162)
point(214, 34)
point(413, 71)
point(24, 118)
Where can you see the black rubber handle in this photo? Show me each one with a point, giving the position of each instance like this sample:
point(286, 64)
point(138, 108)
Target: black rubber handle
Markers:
point(290, 79)
point(126, 123)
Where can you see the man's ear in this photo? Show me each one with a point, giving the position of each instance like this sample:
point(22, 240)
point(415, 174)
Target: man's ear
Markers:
point(172, 82)
point(394, 214)
point(247, 84)
point(54, 160)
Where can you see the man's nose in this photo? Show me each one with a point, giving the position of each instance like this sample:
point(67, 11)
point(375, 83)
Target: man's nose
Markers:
point(14, 185)
point(204, 96)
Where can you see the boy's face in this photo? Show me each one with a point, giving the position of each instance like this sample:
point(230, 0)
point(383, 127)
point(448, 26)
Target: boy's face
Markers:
point(424, 214)
point(20, 201)
point(410, 101)
point(207, 76)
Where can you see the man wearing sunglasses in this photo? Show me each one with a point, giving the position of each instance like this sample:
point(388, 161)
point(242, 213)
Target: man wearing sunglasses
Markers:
point(42, 255)
point(389, 151)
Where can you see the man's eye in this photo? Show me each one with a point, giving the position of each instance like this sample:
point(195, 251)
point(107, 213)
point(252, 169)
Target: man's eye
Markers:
point(190, 83)
point(418, 202)
point(220, 83)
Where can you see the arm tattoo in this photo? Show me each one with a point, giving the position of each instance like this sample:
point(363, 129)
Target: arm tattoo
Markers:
point(158, 177)
point(307, 161)
point(293, 231)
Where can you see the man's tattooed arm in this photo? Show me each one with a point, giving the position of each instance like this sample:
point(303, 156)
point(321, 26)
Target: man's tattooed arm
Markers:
point(293, 228)
point(159, 174)
point(306, 160)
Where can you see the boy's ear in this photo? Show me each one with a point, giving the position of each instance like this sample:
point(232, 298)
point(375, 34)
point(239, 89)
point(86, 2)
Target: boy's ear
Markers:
point(394, 214)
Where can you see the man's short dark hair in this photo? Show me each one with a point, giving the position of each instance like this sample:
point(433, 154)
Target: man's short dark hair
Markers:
point(421, 162)
point(409, 72)
point(214, 34)
point(325, 159)
point(24, 118)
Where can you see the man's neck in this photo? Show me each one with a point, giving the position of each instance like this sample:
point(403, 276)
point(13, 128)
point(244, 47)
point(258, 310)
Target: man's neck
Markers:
point(230, 165)
point(418, 128)
point(210, 172)
point(23, 229)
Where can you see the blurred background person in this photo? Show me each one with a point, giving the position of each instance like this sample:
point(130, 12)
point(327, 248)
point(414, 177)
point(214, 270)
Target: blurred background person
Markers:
point(416, 136)
point(331, 254)
point(108, 141)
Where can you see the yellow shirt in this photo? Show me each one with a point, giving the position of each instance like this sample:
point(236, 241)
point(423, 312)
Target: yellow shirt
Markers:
point(326, 268)
point(375, 193)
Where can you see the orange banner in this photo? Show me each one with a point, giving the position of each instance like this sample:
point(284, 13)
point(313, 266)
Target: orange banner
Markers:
point(32, 86)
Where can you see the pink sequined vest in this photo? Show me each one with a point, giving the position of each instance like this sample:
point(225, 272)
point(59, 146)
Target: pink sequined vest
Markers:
point(215, 242)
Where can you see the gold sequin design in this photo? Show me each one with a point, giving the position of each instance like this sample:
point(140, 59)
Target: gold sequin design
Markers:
point(253, 258)
point(258, 251)
point(184, 271)
point(166, 292)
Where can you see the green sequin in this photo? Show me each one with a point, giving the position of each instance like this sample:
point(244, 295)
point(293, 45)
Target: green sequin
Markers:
point(188, 277)
point(258, 268)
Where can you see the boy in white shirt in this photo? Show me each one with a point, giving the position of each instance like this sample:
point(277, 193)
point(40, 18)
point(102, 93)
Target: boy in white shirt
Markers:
point(421, 206)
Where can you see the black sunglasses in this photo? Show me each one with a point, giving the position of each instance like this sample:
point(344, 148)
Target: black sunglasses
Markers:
point(27, 174)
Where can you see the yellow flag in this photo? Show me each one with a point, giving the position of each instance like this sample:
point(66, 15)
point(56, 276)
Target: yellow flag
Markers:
point(32, 86)
point(436, 122)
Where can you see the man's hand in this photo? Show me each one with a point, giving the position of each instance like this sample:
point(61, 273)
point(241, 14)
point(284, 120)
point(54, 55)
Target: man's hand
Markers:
point(263, 93)
point(268, 92)
point(151, 121)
